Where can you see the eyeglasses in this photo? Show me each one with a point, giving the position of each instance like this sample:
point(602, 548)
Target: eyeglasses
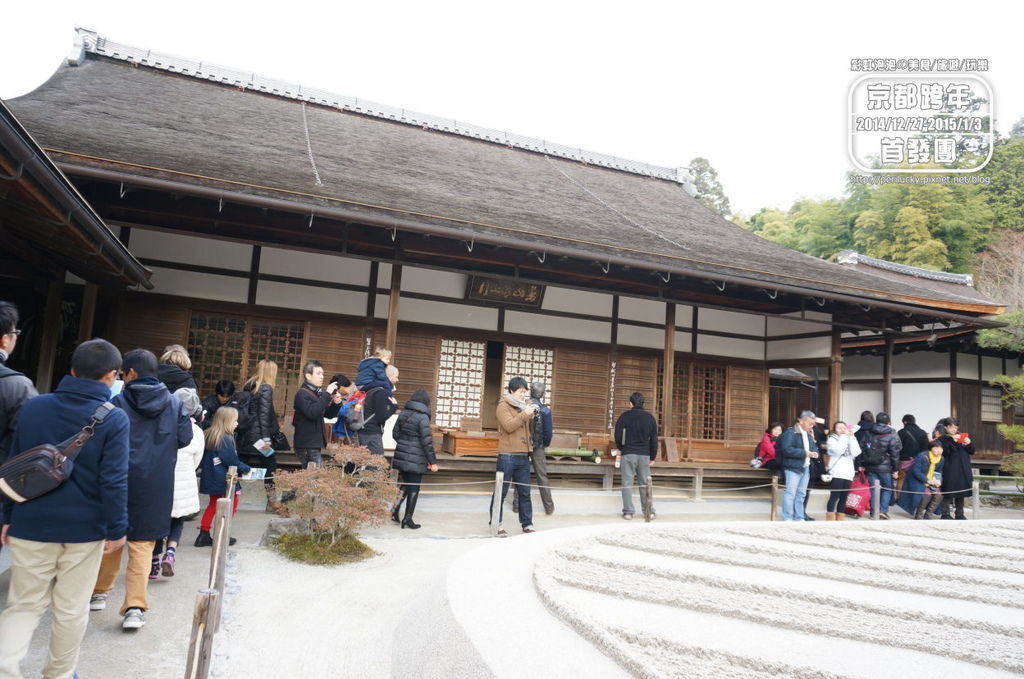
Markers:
point(16, 331)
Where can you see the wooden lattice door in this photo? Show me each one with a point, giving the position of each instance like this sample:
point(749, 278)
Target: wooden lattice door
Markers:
point(533, 364)
point(460, 382)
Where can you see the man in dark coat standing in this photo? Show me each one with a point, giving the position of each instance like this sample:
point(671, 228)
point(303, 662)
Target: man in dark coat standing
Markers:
point(57, 539)
point(914, 440)
point(15, 388)
point(159, 427)
point(881, 459)
point(636, 436)
point(312, 405)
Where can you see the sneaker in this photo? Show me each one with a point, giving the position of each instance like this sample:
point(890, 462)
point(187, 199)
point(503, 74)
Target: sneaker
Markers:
point(134, 619)
point(627, 517)
point(97, 602)
point(502, 533)
point(883, 516)
point(654, 515)
point(167, 566)
point(154, 570)
point(529, 529)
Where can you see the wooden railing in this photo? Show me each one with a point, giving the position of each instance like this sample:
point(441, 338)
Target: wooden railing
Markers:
point(210, 600)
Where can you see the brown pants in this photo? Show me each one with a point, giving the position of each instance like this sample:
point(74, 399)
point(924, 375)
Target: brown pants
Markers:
point(136, 579)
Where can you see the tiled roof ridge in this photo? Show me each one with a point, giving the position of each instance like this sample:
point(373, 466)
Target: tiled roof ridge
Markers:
point(87, 41)
point(854, 257)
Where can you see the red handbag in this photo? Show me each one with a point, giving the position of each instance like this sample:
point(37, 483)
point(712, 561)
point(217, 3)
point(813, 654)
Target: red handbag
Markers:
point(859, 499)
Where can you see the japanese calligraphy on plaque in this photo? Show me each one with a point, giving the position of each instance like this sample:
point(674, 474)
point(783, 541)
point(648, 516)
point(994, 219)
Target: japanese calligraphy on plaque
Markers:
point(509, 292)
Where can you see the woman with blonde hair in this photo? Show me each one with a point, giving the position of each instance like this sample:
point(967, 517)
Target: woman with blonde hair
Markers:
point(261, 424)
point(174, 368)
point(220, 454)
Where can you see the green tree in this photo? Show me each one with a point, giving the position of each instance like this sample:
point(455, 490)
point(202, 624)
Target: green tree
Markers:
point(822, 227)
point(1005, 193)
point(709, 189)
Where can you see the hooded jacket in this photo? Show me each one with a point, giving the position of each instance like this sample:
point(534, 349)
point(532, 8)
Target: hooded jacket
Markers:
point(91, 505)
point(159, 427)
point(175, 378)
point(15, 390)
point(414, 441)
point(262, 418)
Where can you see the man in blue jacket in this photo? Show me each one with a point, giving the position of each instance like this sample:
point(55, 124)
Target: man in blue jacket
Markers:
point(159, 427)
point(57, 539)
point(796, 447)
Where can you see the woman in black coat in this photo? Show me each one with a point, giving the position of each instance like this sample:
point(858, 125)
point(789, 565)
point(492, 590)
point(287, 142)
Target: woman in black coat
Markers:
point(261, 423)
point(957, 477)
point(414, 452)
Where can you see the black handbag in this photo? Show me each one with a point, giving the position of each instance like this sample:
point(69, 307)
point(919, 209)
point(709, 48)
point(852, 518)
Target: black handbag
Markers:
point(39, 470)
point(279, 441)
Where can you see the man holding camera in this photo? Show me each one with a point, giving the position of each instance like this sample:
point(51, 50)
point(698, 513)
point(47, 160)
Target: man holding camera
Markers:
point(312, 405)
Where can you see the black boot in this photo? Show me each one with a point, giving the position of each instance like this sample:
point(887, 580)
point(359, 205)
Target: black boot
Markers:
point(959, 503)
point(204, 539)
point(410, 507)
point(398, 506)
point(945, 508)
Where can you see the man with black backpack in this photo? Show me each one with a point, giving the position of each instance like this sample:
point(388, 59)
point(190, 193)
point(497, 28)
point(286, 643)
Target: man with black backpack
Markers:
point(58, 539)
point(880, 457)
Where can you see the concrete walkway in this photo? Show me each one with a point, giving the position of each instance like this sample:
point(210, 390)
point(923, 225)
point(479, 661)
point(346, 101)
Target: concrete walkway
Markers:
point(402, 613)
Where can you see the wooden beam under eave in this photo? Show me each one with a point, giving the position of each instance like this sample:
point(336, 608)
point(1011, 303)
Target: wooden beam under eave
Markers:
point(88, 315)
point(391, 335)
point(669, 361)
point(50, 335)
point(835, 379)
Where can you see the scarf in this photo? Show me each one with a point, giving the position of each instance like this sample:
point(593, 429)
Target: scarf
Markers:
point(516, 403)
point(932, 463)
point(807, 445)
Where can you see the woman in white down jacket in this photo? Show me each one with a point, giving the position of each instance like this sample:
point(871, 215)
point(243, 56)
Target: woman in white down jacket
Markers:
point(186, 488)
point(842, 449)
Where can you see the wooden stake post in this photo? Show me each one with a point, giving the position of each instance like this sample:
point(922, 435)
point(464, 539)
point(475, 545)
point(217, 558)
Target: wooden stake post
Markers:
point(496, 500)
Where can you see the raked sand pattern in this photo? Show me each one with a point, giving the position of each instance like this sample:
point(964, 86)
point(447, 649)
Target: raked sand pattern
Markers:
point(835, 599)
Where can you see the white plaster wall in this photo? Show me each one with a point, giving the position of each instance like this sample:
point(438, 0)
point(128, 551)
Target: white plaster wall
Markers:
point(429, 281)
point(683, 341)
point(684, 316)
point(858, 398)
point(314, 266)
point(991, 366)
point(577, 301)
point(173, 247)
point(325, 300)
point(967, 366)
point(1013, 367)
point(443, 313)
point(72, 279)
point(928, 402)
point(730, 321)
point(201, 285)
point(633, 336)
point(729, 346)
point(634, 309)
point(384, 275)
point(556, 326)
point(862, 367)
point(812, 347)
point(920, 364)
point(783, 325)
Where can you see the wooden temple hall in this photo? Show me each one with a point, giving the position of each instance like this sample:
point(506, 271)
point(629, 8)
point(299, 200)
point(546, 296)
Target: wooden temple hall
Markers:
point(286, 223)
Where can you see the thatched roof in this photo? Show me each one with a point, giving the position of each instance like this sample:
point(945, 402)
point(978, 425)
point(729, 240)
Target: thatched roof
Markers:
point(158, 122)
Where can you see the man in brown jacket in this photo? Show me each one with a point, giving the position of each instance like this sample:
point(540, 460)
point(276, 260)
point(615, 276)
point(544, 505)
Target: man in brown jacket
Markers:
point(515, 419)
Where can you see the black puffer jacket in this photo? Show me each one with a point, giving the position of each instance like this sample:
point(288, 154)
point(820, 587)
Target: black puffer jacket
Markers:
point(262, 422)
point(414, 441)
point(883, 456)
point(175, 378)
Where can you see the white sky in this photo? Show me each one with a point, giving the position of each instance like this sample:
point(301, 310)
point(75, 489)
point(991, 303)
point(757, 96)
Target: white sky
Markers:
point(759, 89)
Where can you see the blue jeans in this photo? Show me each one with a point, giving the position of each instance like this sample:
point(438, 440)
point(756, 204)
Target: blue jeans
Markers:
point(885, 480)
point(794, 493)
point(517, 468)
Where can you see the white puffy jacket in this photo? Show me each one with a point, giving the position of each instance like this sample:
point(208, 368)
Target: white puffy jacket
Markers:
point(186, 487)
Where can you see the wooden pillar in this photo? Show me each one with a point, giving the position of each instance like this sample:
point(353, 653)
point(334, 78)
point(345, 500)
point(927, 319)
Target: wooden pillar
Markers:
point(396, 285)
point(887, 376)
point(50, 335)
point(835, 379)
point(88, 316)
point(669, 363)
